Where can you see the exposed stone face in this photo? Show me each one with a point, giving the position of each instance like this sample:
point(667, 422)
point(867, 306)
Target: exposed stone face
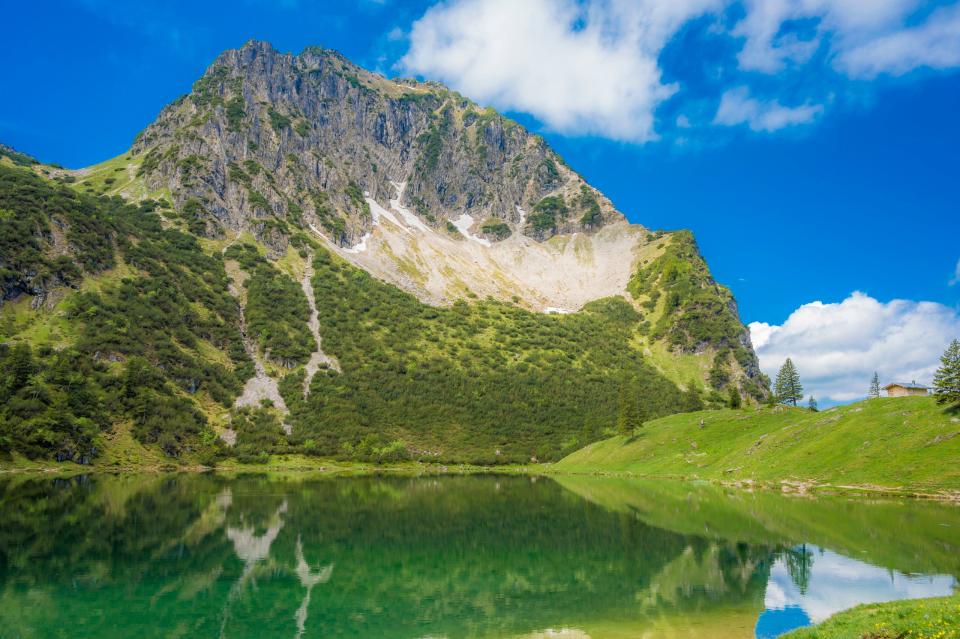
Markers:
point(303, 138)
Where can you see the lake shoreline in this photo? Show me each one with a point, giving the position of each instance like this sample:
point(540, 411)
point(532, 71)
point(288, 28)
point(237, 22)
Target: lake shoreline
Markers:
point(307, 466)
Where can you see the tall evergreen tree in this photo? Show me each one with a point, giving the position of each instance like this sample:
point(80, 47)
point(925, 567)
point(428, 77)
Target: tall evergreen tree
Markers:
point(874, 386)
point(627, 416)
point(692, 401)
point(946, 381)
point(812, 404)
point(735, 401)
point(788, 387)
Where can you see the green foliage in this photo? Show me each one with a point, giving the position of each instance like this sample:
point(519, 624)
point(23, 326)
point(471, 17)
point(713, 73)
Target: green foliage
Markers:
point(277, 311)
point(329, 219)
point(302, 127)
point(628, 415)
point(376, 448)
point(735, 401)
point(587, 202)
point(155, 328)
point(548, 172)
point(278, 121)
point(692, 400)
point(461, 383)
point(356, 196)
point(719, 375)
point(497, 228)
point(52, 403)
point(258, 434)
point(31, 211)
point(546, 213)
point(195, 215)
point(787, 387)
point(235, 113)
point(432, 141)
point(946, 381)
point(697, 311)
point(18, 158)
point(206, 90)
point(258, 202)
point(812, 404)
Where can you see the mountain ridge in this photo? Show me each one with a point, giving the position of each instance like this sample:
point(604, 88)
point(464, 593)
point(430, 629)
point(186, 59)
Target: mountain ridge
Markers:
point(476, 299)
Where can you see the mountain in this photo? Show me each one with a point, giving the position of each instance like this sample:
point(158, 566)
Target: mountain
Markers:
point(303, 256)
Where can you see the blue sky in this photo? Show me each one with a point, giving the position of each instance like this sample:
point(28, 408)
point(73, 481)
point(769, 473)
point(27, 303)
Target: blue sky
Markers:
point(811, 145)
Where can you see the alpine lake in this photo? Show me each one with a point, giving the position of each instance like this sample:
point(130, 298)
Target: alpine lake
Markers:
point(207, 555)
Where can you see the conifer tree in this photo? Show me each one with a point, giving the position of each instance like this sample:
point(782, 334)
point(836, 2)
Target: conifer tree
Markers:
point(692, 401)
point(788, 387)
point(626, 411)
point(812, 404)
point(874, 386)
point(946, 381)
point(735, 400)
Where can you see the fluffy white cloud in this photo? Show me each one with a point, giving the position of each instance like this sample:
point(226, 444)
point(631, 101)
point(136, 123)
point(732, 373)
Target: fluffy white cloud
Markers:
point(579, 67)
point(837, 347)
point(865, 39)
point(934, 43)
point(846, 24)
point(593, 66)
point(738, 107)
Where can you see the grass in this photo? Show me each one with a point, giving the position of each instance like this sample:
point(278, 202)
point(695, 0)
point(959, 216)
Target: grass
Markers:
point(117, 176)
point(48, 324)
point(908, 444)
point(679, 368)
point(914, 619)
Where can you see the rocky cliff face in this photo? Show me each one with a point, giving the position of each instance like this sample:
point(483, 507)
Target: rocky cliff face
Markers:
point(266, 138)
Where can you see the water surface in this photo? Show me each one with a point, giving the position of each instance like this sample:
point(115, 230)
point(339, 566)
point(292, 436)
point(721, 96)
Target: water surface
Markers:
point(258, 556)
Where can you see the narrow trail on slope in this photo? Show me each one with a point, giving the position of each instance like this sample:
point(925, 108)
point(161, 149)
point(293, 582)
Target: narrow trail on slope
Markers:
point(261, 386)
point(318, 357)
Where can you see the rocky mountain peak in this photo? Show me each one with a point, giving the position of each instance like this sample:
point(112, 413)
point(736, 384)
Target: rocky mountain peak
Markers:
point(267, 139)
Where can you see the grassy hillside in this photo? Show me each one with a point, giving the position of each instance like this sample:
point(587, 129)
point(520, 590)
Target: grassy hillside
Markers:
point(906, 443)
point(937, 618)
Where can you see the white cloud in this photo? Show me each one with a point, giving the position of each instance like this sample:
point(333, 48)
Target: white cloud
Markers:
point(956, 275)
point(837, 347)
point(580, 68)
point(593, 66)
point(865, 39)
point(738, 107)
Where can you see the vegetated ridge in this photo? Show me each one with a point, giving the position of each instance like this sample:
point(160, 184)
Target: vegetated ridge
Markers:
point(473, 298)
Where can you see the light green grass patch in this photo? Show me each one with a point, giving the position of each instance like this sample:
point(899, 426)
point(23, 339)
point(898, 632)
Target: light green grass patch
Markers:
point(900, 443)
point(917, 619)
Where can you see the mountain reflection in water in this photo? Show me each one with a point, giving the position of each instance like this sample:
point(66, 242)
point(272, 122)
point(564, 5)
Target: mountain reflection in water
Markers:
point(205, 555)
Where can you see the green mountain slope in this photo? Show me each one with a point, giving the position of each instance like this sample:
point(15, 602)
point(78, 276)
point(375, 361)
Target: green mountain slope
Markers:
point(202, 295)
point(908, 443)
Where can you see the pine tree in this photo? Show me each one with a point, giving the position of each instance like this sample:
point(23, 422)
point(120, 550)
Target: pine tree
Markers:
point(812, 404)
point(788, 387)
point(589, 432)
point(20, 365)
point(874, 386)
point(946, 381)
point(735, 400)
point(692, 401)
point(626, 411)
